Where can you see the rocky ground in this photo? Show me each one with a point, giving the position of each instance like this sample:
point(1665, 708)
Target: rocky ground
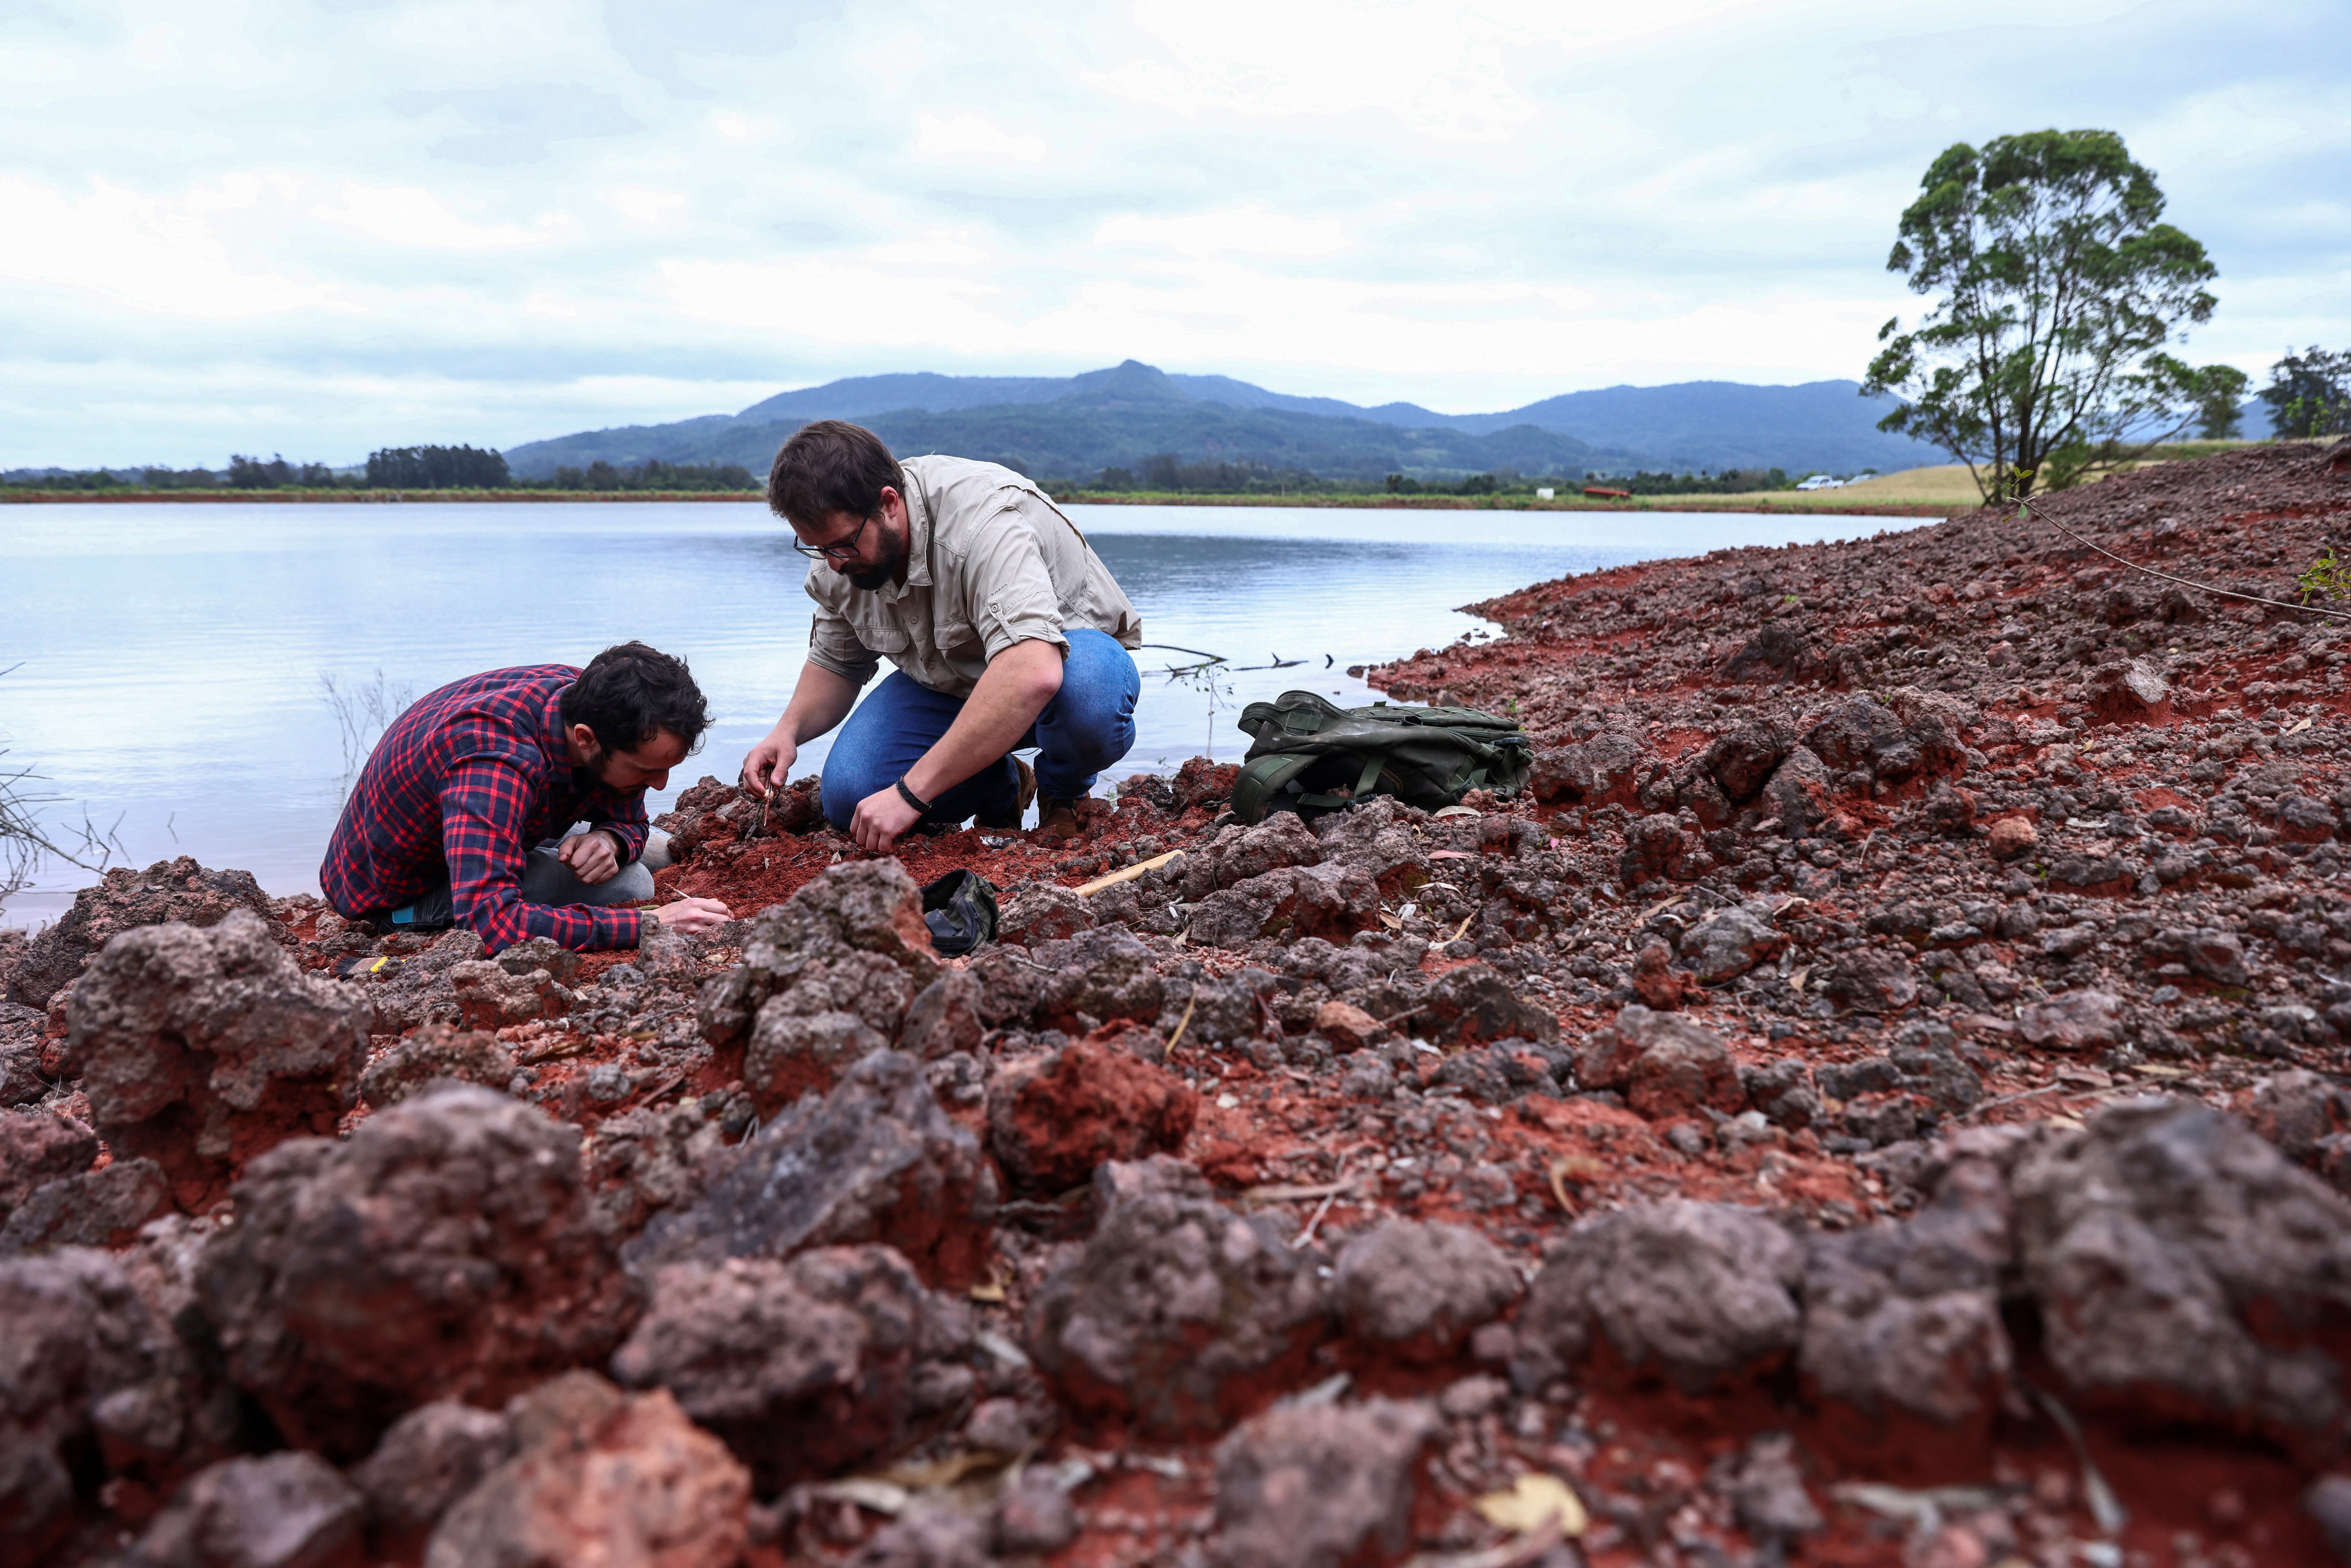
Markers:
point(1880, 1098)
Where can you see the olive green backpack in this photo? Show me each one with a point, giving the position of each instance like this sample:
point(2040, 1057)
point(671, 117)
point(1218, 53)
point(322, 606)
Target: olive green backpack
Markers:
point(1309, 755)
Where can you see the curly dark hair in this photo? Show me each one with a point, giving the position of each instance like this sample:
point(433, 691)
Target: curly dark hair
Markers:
point(831, 466)
point(630, 693)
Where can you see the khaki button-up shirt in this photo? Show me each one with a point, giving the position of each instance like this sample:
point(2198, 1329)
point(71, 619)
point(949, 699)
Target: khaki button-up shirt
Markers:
point(990, 562)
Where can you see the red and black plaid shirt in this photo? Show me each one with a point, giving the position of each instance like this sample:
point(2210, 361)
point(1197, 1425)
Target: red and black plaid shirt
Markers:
point(465, 784)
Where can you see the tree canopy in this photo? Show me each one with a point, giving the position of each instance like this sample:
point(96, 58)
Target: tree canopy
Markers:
point(2310, 393)
point(437, 469)
point(2059, 286)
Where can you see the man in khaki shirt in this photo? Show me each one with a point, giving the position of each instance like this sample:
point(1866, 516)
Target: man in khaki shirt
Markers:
point(1006, 629)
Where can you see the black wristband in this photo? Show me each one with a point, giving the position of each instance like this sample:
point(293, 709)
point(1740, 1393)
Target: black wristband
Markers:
point(913, 800)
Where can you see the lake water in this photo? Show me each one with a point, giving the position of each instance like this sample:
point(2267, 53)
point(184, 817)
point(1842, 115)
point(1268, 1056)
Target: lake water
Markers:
point(171, 660)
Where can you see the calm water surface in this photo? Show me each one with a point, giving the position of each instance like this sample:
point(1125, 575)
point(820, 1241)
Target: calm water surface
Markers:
point(171, 660)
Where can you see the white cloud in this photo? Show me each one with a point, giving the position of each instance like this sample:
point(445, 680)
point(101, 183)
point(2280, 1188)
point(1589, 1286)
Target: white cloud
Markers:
point(319, 228)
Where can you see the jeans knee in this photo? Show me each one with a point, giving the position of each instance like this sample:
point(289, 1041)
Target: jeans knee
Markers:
point(1096, 748)
point(841, 789)
point(635, 885)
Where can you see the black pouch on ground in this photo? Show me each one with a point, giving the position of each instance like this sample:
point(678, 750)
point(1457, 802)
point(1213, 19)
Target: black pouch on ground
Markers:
point(1310, 756)
point(960, 910)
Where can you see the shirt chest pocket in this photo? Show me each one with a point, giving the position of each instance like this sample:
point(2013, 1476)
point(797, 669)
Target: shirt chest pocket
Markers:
point(954, 631)
point(885, 638)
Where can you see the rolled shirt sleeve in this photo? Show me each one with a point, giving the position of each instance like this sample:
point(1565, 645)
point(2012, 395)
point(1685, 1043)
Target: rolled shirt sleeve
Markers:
point(622, 816)
point(1008, 590)
point(834, 645)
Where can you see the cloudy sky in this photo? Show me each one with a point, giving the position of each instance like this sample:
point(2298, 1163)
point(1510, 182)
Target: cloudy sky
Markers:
point(321, 227)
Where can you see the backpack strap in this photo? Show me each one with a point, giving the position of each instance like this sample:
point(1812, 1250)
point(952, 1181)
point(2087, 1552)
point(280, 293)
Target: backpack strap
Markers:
point(1261, 779)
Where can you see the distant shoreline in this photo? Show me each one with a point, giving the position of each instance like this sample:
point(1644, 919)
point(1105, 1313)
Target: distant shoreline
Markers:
point(1814, 504)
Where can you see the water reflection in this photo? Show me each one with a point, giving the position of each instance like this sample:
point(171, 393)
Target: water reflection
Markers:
point(169, 657)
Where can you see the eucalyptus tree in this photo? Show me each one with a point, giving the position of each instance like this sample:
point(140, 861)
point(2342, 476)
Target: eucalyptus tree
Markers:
point(2058, 286)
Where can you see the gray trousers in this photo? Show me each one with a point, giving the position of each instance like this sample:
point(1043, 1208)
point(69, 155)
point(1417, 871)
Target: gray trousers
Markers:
point(546, 880)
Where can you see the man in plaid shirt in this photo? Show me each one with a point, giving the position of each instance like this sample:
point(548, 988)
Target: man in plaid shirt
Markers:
point(454, 817)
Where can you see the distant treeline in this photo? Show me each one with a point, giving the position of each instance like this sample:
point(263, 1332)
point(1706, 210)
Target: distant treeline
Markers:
point(398, 468)
point(1166, 474)
point(253, 474)
point(1730, 481)
point(1164, 471)
point(654, 474)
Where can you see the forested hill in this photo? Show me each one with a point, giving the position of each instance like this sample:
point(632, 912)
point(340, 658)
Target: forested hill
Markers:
point(1074, 427)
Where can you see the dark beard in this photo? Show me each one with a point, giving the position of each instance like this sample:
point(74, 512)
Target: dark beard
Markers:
point(881, 571)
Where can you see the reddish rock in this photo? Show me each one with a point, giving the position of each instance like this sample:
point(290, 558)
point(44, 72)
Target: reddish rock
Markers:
point(866, 906)
point(1200, 783)
point(1728, 942)
point(23, 1067)
point(2136, 690)
point(446, 1251)
point(1346, 1026)
point(875, 1160)
point(2168, 1248)
point(806, 1367)
point(1697, 1291)
point(2010, 837)
point(2218, 955)
point(1872, 980)
point(1906, 1318)
point(1417, 1290)
point(1237, 854)
point(1379, 839)
point(1323, 1486)
point(1332, 902)
point(103, 1208)
point(178, 891)
point(491, 996)
point(79, 1345)
point(431, 1458)
point(1045, 912)
point(1473, 1004)
point(37, 1147)
point(1598, 770)
point(436, 1051)
point(289, 1509)
point(1052, 1119)
point(1657, 984)
point(840, 1008)
point(200, 1049)
point(602, 1477)
point(1668, 1068)
point(1179, 1315)
point(945, 1018)
point(1657, 846)
point(2072, 1021)
point(1741, 761)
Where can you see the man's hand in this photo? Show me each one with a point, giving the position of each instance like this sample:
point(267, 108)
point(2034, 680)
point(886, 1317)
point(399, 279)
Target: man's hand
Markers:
point(770, 762)
point(881, 818)
point(692, 914)
point(593, 856)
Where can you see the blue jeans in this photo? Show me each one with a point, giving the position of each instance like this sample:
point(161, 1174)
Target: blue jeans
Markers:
point(1088, 726)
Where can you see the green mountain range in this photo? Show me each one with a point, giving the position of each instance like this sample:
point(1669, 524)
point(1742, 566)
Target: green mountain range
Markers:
point(1072, 428)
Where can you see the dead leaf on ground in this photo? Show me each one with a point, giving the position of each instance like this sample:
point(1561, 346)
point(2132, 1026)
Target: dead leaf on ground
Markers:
point(1535, 1502)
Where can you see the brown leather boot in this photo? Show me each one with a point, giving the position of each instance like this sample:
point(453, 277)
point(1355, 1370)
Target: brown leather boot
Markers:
point(1027, 792)
point(1057, 820)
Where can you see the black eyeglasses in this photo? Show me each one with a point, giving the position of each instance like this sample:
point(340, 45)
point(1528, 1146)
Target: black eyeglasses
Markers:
point(840, 549)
